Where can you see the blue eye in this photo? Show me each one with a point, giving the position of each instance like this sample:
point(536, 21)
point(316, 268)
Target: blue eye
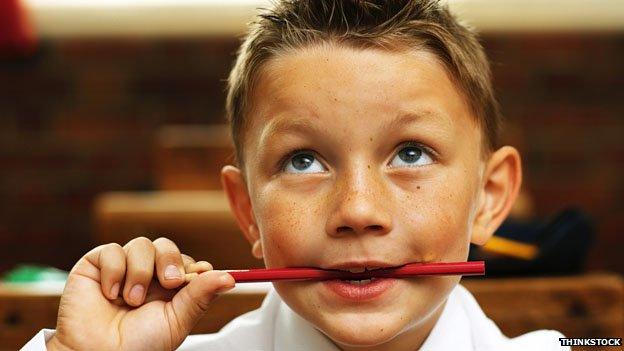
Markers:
point(412, 156)
point(303, 162)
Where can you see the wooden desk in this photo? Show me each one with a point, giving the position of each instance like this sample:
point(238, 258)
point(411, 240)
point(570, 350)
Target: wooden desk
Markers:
point(589, 305)
point(190, 157)
point(24, 311)
point(199, 222)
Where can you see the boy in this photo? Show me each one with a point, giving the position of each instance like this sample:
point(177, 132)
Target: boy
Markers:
point(366, 137)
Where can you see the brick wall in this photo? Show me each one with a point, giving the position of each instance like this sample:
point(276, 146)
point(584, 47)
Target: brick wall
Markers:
point(79, 119)
point(564, 101)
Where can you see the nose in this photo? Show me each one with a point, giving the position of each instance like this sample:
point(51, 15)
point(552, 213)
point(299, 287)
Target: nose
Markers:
point(360, 205)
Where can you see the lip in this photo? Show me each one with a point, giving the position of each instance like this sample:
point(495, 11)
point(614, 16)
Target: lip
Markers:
point(360, 293)
point(374, 290)
point(362, 264)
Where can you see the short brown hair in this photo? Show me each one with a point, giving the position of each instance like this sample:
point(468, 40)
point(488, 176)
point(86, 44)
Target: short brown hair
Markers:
point(384, 24)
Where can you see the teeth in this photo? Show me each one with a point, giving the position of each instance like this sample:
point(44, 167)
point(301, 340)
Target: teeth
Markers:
point(357, 270)
point(360, 282)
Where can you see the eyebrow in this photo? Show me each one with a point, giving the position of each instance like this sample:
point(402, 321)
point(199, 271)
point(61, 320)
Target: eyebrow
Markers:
point(300, 125)
point(297, 125)
point(404, 118)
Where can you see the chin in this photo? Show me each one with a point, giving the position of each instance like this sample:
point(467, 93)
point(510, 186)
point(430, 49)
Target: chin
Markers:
point(361, 331)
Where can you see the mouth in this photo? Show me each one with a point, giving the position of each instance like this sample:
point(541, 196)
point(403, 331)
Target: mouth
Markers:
point(361, 280)
point(362, 272)
point(358, 282)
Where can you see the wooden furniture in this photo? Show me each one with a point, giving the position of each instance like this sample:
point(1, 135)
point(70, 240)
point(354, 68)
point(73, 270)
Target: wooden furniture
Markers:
point(589, 305)
point(199, 222)
point(24, 310)
point(190, 157)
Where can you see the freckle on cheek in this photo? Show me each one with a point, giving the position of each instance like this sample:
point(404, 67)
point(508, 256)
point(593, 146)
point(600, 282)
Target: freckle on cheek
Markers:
point(418, 187)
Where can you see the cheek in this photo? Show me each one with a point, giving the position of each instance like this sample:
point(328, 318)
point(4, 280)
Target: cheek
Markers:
point(439, 220)
point(289, 227)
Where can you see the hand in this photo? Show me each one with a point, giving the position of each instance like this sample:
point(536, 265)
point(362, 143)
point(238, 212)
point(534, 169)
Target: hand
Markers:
point(129, 298)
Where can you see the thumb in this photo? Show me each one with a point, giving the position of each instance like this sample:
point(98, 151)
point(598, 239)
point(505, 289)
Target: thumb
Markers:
point(192, 301)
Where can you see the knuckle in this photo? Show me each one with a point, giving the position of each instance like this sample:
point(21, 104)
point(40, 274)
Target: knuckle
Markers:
point(98, 248)
point(142, 240)
point(187, 258)
point(163, 239)
point(114, 247)
point(139, 244)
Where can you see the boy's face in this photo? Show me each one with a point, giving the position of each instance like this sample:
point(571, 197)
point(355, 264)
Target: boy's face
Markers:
point(361, 158)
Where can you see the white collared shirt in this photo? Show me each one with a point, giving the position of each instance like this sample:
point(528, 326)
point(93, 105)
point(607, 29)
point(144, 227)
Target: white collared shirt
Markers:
point(462, 326)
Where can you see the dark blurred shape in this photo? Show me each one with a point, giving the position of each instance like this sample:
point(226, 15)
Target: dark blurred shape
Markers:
point(557, 246)
point(17, 37)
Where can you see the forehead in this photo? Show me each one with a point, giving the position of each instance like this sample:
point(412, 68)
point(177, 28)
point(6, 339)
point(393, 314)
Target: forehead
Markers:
point(332, 85)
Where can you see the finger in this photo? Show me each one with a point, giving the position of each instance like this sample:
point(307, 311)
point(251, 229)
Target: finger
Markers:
point(193, 270)
point(198, 267)
point(110, 260)
point(113, 268)
point(140, 255)
point(192, 301)
point(187, 260)
point(169, 265)
point(190, 276)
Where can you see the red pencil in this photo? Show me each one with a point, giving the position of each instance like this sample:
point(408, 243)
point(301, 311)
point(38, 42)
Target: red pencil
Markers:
point(405, 271)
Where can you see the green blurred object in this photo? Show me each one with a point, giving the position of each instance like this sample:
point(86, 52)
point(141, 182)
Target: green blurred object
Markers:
point(32, 273)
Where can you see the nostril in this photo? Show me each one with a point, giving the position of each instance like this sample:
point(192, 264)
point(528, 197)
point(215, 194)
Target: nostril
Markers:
point(374, 228)
point(343, 229)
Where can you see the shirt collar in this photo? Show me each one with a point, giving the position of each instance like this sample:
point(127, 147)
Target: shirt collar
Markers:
point(452, 330)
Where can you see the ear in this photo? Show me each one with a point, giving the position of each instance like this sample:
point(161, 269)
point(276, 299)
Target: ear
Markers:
point(236, 191)
point(501, 183)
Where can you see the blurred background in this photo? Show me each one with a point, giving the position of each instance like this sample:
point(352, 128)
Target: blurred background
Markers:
point(112, 126)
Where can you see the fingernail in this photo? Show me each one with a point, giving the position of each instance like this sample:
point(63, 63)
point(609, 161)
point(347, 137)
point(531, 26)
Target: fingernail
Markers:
point(172, 272)
point(114, 291)
point(136, 293)
point(227, 281)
